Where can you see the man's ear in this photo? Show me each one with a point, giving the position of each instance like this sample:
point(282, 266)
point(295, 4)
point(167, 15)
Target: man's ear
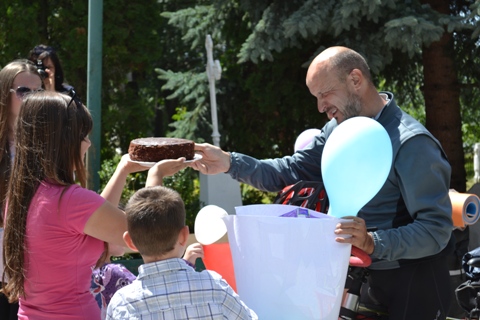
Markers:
point(129, 242)
point(356, 77)
point(183, 236)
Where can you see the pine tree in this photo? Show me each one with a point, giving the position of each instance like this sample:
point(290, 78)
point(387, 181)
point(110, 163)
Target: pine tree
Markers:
point(411, 46)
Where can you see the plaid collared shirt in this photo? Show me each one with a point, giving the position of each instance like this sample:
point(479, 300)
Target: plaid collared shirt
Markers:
point(170, 289)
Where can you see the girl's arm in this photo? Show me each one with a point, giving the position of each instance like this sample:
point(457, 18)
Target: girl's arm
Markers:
point(108, 223)
point(163, 169)
point(114, 188)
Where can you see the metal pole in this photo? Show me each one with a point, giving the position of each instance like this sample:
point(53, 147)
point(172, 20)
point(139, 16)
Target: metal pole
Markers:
point(94, 88)
point(214, 72)
point(219, 189)
point(476, 162)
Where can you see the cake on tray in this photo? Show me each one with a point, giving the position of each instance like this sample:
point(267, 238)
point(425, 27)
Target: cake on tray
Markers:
point(155, 149)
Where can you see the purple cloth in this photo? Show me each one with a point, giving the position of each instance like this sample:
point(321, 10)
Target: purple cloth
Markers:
point(107, 280)
point(302, 212)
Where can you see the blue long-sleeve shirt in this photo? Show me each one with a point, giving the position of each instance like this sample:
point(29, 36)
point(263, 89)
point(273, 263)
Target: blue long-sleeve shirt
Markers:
point(412, 211)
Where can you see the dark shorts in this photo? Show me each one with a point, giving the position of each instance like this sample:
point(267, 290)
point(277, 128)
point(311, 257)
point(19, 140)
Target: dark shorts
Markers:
point(415, 291)
point(8, 311)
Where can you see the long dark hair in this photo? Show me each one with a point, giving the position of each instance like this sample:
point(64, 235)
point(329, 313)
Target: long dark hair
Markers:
point(7, 76)
point(50, 129)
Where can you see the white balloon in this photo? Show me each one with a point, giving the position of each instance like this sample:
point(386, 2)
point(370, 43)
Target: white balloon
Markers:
point(209, 226)
point(305, 138)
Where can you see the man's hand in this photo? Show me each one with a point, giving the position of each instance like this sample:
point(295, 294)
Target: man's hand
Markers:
point(359, 237)
point(214, 160)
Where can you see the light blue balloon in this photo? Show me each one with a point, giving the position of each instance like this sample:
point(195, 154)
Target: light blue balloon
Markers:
point(356, 160)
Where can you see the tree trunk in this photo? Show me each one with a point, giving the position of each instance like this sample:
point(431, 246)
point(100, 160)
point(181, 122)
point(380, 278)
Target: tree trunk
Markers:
point(442, 105)
point(43, 23)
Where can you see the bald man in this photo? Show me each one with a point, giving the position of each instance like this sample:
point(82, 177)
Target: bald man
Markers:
point(411, 213)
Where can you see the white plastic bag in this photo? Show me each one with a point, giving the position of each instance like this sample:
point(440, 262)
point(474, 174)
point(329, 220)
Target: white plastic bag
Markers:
point(287, 268)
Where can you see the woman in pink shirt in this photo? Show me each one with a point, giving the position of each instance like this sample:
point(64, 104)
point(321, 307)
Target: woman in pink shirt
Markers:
point(55, 228)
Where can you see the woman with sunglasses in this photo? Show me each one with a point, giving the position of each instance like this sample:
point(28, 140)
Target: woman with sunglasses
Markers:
point(16, 79)
point(55, 228)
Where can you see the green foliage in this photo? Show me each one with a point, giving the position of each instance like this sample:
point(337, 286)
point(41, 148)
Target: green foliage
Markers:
point(184, 182)
point(251, 121)
point(409, 33)
point(277, 36)
point(412, 103)
point(474, 13)
point(197, 22)
point(250, 195)
point(470, 120)
point(266, 125)
point(136, 41)
point(154, 81)
point(188, 88)
point(470, 170)
point(135, 181)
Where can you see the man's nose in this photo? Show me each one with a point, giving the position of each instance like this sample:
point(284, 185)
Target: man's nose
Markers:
point(321, 106)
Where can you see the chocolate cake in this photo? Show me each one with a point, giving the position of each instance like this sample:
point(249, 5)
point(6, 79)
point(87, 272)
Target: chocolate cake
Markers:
point(156, 149)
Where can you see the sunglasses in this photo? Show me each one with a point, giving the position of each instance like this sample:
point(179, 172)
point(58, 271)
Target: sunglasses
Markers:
point(72, 94)
point(21, 92)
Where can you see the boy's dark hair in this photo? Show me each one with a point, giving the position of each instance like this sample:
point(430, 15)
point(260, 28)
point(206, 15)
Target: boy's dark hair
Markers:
point(155, 216)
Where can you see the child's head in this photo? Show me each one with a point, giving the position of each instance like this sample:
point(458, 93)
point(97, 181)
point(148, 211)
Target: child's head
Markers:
point(155, 218)
point(8, 74)
point(51, 138)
